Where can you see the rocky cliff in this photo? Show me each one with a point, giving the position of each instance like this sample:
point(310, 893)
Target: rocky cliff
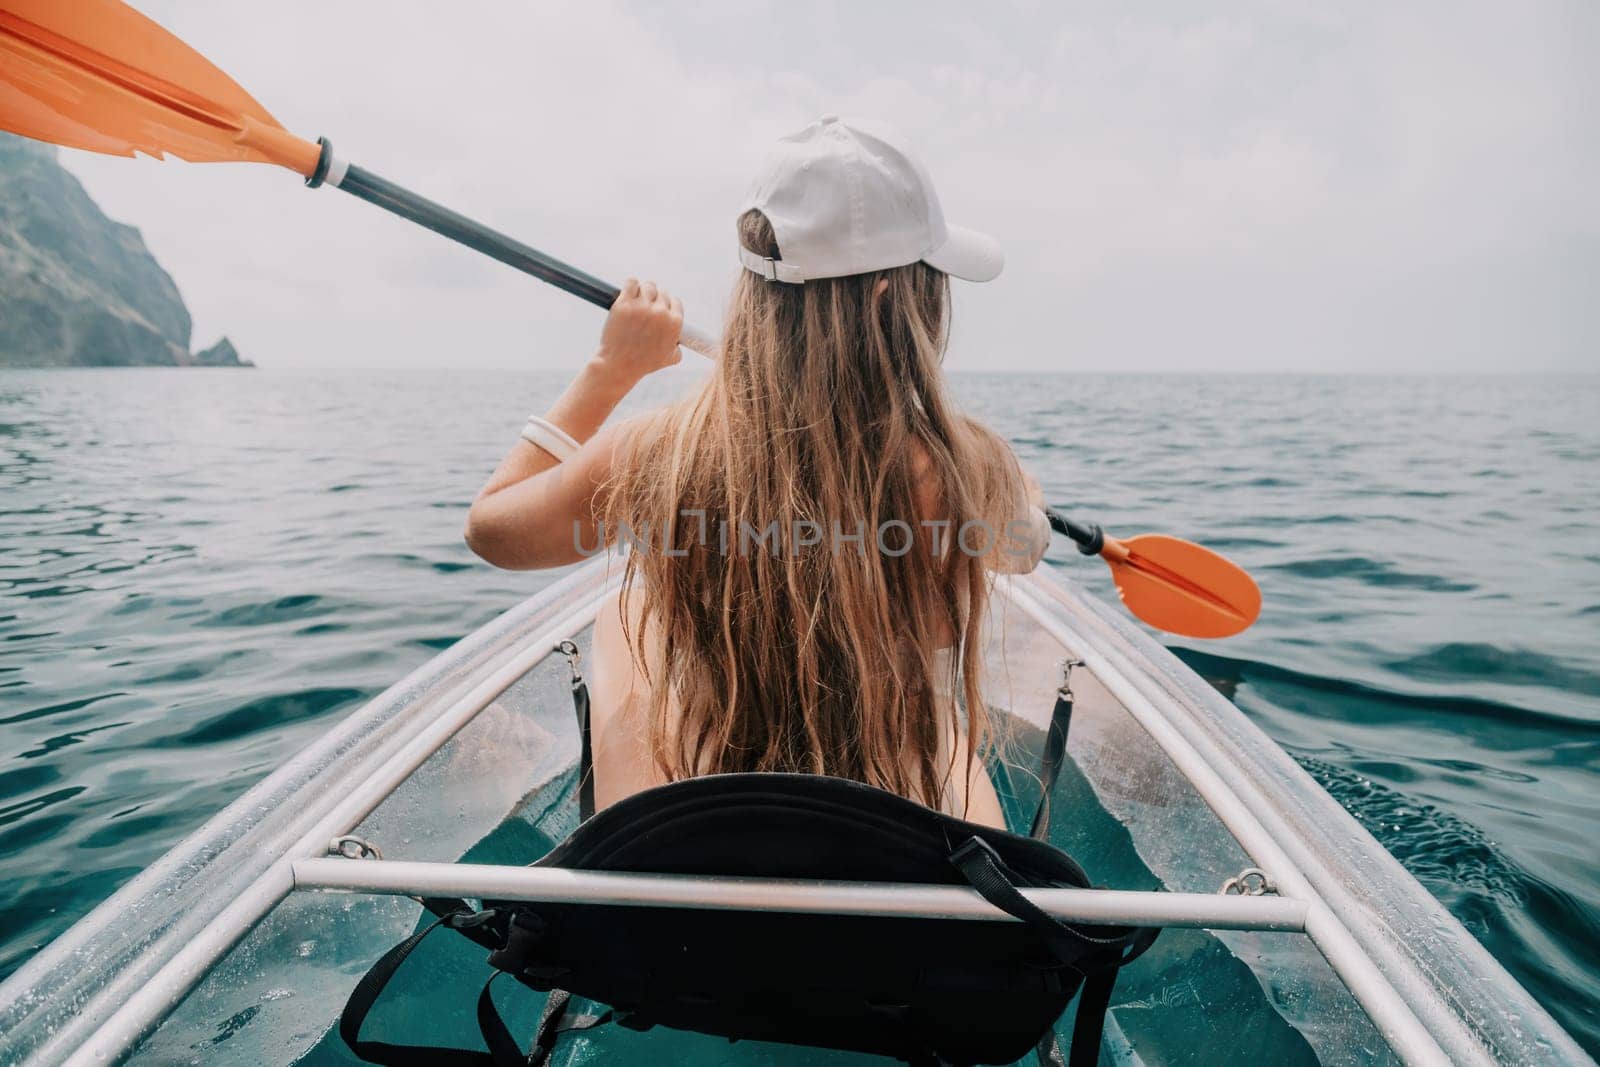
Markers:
point(77, 289)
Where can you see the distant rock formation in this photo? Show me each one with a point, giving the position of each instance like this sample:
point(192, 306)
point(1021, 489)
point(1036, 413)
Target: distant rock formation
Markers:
point(221, 354)
point(77, 289)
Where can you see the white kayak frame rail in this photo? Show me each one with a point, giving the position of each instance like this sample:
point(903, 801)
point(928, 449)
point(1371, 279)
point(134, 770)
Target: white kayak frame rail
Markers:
point(556, 885)
point(144, 1008)
point(1408, 1036)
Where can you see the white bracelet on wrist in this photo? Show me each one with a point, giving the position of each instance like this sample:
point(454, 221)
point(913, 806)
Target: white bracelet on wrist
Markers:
point(542, 433)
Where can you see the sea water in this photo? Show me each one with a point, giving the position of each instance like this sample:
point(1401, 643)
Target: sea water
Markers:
point(202, 570)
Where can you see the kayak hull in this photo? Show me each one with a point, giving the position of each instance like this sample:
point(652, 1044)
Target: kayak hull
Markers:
point(236, 933)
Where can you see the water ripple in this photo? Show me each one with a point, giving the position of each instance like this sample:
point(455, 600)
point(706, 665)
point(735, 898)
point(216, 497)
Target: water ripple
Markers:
point(199, 572)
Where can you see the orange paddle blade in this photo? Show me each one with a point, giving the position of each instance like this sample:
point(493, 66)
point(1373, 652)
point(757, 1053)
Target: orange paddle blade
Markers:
point(98, 75)
point(1180, 587)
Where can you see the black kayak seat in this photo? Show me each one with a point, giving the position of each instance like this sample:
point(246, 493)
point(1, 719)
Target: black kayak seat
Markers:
point(923, 990)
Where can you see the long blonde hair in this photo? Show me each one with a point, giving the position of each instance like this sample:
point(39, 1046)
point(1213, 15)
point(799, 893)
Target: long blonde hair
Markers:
point(827, 406)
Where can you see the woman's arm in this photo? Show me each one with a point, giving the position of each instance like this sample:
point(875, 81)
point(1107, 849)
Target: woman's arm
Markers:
point(535, 510)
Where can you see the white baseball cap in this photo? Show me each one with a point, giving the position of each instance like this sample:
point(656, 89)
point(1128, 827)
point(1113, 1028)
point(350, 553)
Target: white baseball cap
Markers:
point(849, 197)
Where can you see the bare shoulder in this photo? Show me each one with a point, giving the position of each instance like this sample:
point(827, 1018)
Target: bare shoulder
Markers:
point(988, 457)
point(996, 467)
point(979, 437)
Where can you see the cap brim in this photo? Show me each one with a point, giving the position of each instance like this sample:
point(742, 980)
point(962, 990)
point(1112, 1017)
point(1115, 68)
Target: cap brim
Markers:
point(967, 254)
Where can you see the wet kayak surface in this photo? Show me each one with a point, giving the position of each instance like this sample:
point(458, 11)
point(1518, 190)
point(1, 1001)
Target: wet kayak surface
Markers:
point(200, 571)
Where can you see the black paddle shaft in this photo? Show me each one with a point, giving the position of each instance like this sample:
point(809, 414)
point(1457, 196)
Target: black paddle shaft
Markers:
point(441, 220)
point(475, 235)
point(1089, 539)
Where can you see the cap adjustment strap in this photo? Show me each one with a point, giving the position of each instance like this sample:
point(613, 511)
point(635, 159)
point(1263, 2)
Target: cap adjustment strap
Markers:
point(773, 270)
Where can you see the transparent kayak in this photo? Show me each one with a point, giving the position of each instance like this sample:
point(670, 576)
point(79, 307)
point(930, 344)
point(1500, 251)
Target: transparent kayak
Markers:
point(243, 943)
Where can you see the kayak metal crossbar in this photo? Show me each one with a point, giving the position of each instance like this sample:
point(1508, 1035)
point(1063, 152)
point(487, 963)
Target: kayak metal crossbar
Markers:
point(554, 885)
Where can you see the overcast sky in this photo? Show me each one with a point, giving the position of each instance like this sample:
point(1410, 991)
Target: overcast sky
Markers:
point(1250, 186)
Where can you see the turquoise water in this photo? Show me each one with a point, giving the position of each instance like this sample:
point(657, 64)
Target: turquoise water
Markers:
point(200, 571)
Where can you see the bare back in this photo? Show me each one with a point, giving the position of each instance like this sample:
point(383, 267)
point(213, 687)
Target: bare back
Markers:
point(623, 760)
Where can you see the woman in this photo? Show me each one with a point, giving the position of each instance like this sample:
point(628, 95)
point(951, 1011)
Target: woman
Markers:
point(813, 533)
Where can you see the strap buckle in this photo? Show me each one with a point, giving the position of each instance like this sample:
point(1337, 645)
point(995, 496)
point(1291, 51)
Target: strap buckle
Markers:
point(976, 846)
point(772, 268)
point(1065, 689)
point(470, 920)
point(569, 649)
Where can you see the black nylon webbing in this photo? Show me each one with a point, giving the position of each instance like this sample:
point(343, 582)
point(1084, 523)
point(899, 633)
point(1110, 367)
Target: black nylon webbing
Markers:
point(556, 1020)
point(1055, 750)
point(503, 1048)
point(1088, 1028)
point(544, 1037)
point(580, 706)
point(366, 994)
point(985, 871)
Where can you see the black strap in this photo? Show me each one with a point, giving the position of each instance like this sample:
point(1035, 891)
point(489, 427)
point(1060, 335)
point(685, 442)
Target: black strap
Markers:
point(555, 1021)
point(580, 705)
point(1088, 1029)
point(986, 872)
point(983, 868)
point(503, 1048)
point(1094, 1001)
point(1055, 750)
point(464, 919)
point(544, 1037)
point(366, 994)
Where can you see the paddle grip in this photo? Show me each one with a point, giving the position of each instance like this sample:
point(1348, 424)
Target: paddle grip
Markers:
point(1089, 539)
point(398, 200)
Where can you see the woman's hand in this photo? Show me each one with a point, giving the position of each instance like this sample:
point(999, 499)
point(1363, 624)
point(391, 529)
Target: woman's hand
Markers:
point(537, 511)
point(641, 333)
